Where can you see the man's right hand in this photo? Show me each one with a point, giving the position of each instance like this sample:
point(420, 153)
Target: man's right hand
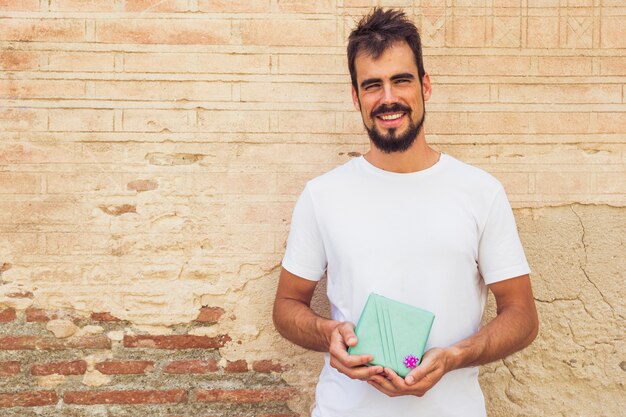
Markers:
point(295, 321)
point(353, 366)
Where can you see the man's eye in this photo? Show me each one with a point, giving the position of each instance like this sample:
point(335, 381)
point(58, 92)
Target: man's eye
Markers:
point(371, 87)
point(403, 81)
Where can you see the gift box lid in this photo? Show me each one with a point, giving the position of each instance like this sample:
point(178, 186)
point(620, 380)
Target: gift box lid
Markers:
point(393, 332)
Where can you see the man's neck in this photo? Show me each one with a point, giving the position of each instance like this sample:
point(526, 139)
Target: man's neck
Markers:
point(418, 157)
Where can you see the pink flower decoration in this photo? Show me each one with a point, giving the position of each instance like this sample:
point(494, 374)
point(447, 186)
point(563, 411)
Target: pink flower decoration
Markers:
point(410, 361)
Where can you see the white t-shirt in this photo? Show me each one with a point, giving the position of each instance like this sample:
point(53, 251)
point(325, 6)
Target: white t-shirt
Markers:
point(432, 238)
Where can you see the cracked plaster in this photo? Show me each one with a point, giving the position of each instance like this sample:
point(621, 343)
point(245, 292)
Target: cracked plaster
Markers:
point(575, 367)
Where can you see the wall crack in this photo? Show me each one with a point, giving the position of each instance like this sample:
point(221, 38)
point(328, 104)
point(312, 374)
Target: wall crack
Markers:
point(582, 267)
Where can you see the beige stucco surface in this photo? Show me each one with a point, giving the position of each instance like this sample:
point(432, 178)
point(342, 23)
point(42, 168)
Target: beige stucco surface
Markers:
point(151, 154)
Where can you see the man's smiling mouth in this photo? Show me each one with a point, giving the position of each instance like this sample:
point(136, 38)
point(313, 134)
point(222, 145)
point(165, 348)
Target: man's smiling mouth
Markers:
point(393, 116)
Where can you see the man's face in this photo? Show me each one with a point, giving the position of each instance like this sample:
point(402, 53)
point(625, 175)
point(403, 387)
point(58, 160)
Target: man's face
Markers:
point(390, 97)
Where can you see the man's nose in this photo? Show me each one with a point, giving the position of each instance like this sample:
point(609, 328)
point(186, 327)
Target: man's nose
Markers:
point(389, 95)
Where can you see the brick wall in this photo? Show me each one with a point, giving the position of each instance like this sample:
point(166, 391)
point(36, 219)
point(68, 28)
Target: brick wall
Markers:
point(151, 153)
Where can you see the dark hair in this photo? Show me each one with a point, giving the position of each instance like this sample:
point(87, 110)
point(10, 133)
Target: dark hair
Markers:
point(378, 31)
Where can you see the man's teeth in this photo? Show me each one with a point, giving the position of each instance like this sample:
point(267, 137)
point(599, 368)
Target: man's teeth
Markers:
point(391, 116)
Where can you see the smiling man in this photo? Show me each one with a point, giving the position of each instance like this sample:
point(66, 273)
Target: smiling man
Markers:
point(411, 224)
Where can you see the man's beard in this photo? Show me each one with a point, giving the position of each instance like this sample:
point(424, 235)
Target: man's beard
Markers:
point(391, 142)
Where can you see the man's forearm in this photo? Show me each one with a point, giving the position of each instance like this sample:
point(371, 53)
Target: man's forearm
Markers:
point(296, 322)
point(512, 330)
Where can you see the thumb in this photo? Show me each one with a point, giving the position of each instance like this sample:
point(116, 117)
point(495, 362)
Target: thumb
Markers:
point(415, 375)
point(419, 372)
point(346, 330)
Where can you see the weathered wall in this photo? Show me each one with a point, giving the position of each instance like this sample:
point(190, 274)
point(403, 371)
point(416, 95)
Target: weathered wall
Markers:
point(151, 153)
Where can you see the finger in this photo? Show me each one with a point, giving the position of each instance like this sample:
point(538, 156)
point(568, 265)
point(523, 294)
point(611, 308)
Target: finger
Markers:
point(346, 330)
point(418, 373)
point(383, 386)
point(339, 351)
point(430, 363)
point(360, 372)
point(397, 381)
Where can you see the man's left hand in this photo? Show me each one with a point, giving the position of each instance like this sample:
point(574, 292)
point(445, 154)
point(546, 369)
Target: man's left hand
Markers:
point(435, 363)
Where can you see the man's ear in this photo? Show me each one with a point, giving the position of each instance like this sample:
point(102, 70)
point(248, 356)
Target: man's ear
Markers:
point(426, 87)
point(355, 100)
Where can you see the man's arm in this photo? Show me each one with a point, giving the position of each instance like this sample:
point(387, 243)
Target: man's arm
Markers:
point(296, 322)
point(514, 328)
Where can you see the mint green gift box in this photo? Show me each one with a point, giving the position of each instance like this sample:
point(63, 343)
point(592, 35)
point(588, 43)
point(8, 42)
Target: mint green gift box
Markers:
point(393, 332)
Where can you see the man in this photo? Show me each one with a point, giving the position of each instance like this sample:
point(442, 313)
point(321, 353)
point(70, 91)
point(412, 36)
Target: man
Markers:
point(412, 224)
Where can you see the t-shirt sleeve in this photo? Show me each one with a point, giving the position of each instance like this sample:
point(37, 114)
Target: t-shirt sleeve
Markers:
point(500, 252)
point(305, 255)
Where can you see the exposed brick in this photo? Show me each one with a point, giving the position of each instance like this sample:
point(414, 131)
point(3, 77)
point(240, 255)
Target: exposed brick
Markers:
point(562, 183)
point(210, 314)
point(17, 60)
point(19, 6)
point(468, 31)
point(46, 343)
point(28, 399)
point(138, 120)
point(7, 315)
point(77, 61)
point(294, 92)
point(155, 31)
point(191, 366)
point(9, 368)
point(125, 397)
point(104, 317)
point(80, 120)
point(233, 121)
point(612, 32)
point(543, 32)
point(569, 93)
point(35, 153)
point(615, 65)
point(125, 367)
point(267, 366)
point(496, 65)
point(82, 6)
point(24, 294)
point(197, 63)
point(18, 183)
point(307, 6)
point(5, 266)
point(142, 185)
point(292, 33)
point(278, 415)
point(41, 315)
point(176, 342)
point(312, 64)
point(45, 89)
point(148, 6)
point(48, 30)
point(255, 415)
point(474, 93)
point(161, 90)
point(19, 243)
point(559, 65)
point(234, 6)
point(611, 182)
point(21, 120)
point(78, 367)
point(243, 395)
point(236, 366)
point(83, 182)
point(118, 209)
point(611, 122)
